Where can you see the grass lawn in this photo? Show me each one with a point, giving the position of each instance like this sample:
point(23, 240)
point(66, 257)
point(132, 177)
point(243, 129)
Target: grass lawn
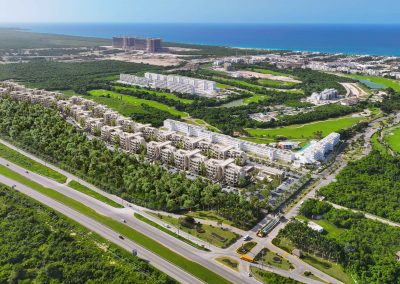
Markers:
point(266, 71)
point(229, 262)
point(389, 83)
point(330, 228)
point(211, 234)
point(160, 94)
point(270, 278)
point(80, 187)
point(192, 267)
point(255, 98)
point(29, 164)
point(332, 269)
point(306, 130)
point(246, 247)
point(129, 104)
point(69, 93)
point(393, 139)
point(376, 145)
point(209, 215)
point(275, 83)
point(271, 258)
point(313, 277)
point(223, 86)
point(165, 230)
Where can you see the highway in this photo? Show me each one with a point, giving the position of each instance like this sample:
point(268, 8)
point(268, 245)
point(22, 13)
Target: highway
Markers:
point(105, 232)
point(206, 259)
point(201, 257)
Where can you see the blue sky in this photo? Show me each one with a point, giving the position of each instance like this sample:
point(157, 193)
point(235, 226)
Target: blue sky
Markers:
point(200, 11)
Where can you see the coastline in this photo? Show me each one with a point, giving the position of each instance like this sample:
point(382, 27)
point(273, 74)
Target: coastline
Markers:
point(325, 39)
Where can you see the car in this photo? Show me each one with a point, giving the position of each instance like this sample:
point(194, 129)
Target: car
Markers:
point(8, 165)
point(246, 238)
point(121, 237)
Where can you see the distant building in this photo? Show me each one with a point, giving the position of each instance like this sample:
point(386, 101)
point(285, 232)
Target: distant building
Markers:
point(326, 95)
point(147, 44)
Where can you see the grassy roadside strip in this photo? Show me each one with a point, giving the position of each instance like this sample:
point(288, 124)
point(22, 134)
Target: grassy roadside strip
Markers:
point(161, 228)
point(29, 164)
point(191, 267)
point(80, 187)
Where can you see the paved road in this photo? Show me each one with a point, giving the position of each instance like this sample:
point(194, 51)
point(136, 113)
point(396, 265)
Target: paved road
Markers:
point(105, 232)
point(204, 258)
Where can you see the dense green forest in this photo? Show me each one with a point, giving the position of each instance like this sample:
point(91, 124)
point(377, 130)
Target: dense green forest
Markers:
point(46, 133)
point(366, 248)
point(229, 120)
point(39, 246)
point(371, 184)
point(18, 39)
point(80, 76)
point(312, 80)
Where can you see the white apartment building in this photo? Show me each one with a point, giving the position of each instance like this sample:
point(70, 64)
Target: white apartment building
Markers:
point(326, 95)
point(215, 138)
point(233, 173)
point(196, 162)
point(167, 154)
point(318, 150)
point(174, 83)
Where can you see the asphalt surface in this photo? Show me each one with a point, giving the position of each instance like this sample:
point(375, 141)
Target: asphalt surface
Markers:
point(105, 232)
point(206, 259)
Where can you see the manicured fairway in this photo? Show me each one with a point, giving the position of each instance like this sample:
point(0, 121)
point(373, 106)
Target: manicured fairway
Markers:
point(389, 83)
point(393, 139)
point(160, 94)
point(266, 71)
point(275, 83)
point(29, 164)
point(255, 99)
point(307, 130)
point(192, 267)
point(130, 102)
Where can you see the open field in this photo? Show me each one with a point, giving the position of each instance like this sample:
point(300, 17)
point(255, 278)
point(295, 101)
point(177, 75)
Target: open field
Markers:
point(276, 84)
point(12, 38)
point(255, 99)
point(332, 269)
point(169, 232)
point(229, 262)
point(306, 130)
point(388, 83)
point(393, 139)
point(270, 278)
point(245, 248)
point(267, 71)
point(79, 187)
point(29, 164)
point(330, 229)
point(209, 215)
point(273, 259)
point(130, 103)
point(214, 235)
point(187, 265)
point(160, 94)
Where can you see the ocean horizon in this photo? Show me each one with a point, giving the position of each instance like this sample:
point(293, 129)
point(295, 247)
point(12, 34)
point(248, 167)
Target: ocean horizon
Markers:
point(327, 38)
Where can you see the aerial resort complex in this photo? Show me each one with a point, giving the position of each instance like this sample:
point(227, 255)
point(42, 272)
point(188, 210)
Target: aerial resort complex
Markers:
point(187, 147)
point(127, 157)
